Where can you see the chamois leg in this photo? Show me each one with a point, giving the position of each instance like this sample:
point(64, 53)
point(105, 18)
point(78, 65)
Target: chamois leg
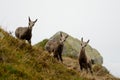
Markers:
point(60, 56)
point(81, 67)
point(56, 56)
point(29, 41)
point(90, 68)
point(86, 68)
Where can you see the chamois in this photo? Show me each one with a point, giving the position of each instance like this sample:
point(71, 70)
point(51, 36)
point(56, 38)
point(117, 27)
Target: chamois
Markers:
point(84, 61)
point(25, 33)
point(57, 46)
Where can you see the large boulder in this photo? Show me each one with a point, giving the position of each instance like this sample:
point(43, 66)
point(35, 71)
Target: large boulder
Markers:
point(72, 48)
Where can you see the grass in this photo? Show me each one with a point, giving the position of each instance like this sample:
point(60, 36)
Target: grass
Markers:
point(20, 61)
point(42, 43)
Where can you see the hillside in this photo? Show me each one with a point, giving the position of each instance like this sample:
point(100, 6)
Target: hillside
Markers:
point(20, 61)
point(72, 48)
point(70, 57)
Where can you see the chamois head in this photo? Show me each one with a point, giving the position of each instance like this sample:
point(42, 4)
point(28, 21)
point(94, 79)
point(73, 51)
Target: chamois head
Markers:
point(31, 23)
point(63, 38)
point(84, 44)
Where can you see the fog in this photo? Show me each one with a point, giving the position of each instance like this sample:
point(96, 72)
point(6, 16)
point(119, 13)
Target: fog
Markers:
point(97, 20)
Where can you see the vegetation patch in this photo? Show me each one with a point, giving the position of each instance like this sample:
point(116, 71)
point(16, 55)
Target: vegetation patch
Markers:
point(21, 61)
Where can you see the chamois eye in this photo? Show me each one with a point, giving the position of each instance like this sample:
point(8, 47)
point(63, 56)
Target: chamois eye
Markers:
point(33, 25)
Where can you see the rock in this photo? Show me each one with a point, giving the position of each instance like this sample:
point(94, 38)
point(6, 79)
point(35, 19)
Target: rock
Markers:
point(72, 48)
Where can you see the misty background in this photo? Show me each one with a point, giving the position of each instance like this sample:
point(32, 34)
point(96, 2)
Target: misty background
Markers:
point(97, 20)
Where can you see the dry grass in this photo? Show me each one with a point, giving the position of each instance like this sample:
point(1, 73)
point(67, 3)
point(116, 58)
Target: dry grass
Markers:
point(100, 72)
point(20, 61)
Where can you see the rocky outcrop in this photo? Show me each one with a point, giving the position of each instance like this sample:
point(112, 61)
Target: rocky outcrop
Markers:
point(72, 48)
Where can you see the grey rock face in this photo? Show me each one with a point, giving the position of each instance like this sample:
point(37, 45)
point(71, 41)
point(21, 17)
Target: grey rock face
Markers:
point(72, 48)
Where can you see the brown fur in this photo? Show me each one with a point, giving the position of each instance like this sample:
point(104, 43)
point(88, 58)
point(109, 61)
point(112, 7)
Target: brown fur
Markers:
point(25, 32)
point(56, 47)
point(84, 61)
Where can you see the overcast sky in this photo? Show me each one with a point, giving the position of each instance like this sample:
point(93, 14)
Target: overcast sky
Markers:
point(97, 20)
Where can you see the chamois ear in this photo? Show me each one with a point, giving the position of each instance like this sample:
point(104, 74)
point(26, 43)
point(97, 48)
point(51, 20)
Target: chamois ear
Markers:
point(35, 21)
point(88, 41)
point(29, 18)
point(61, 34)
point(82, 39)
point(66, 36)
